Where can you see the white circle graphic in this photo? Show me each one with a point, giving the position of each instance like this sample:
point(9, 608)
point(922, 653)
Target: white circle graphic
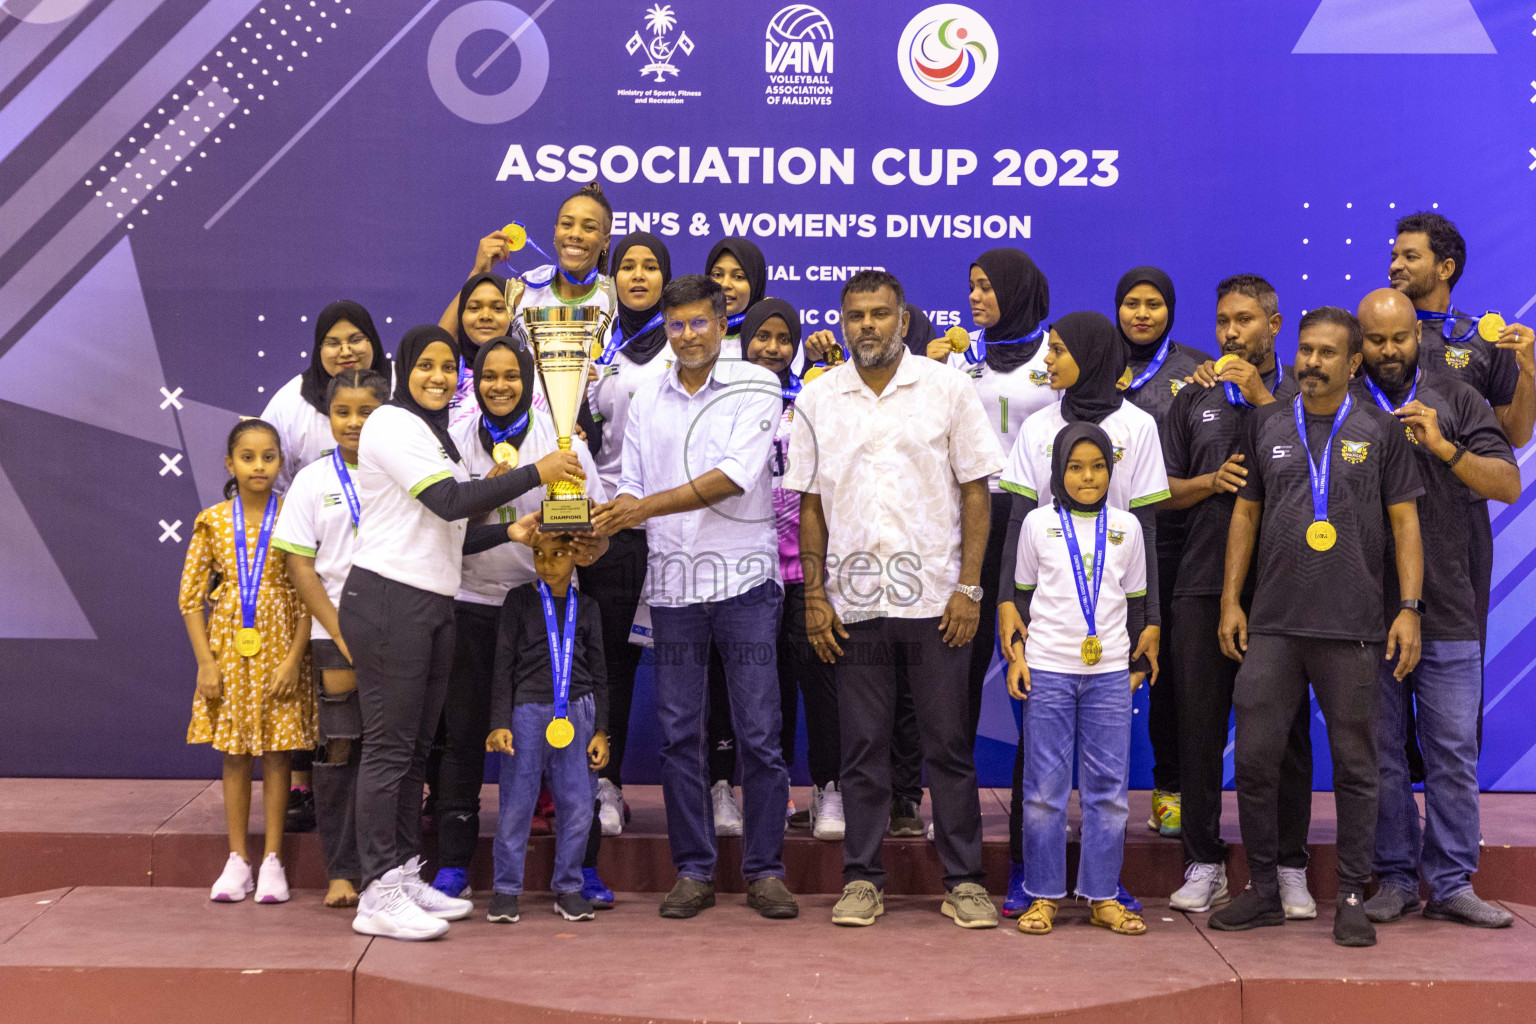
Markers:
point(947, 54)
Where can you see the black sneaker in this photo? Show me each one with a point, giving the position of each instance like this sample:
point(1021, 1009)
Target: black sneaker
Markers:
point(801, 819)
point(574, 907)
point(1350, 925)
point(1249, 910)
point(1466, 908)
point(687, 898)
point(770, 898)
point(301, 810)
point(906, 823)
point(503, 909)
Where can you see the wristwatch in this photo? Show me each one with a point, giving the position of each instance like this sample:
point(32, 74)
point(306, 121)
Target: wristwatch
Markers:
point(1414, 605)
point(974, 593)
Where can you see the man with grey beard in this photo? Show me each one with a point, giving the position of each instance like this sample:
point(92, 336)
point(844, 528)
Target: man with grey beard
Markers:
point(891, 453)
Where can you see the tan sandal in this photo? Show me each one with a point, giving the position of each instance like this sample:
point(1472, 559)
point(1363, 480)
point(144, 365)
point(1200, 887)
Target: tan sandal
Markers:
point(1039, 919)
point(1113, 915)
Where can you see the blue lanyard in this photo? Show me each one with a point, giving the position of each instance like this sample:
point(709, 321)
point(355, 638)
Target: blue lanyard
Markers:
point(1235, 394)
point(561, 660)
point(1445, 320)
point(793, 391)
point(353, 505)
point(977, 353)
point(1088, 602)
point(1381, 396)
point(1320, 474)
point(250, 579)
point(591, 275)
point(498, 436)
point(1152, 367)
point(608, 353)
point(733, 323)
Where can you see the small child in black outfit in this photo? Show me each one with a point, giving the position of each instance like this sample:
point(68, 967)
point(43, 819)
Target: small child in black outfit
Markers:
point(547, 645)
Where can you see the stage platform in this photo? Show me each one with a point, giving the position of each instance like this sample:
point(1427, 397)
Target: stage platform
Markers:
point(106, 917)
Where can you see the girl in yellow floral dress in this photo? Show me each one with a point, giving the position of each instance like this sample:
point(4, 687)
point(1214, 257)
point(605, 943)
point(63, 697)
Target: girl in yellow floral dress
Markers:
point(254, 692)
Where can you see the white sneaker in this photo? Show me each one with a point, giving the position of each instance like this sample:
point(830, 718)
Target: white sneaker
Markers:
point(234, 881)
point(1294, 897)
point(386, 911)
point(727, 810)
point(1204, 888)
point(827, 812)
point(438, 904)
point(930, 831)
point(610, 808)
point(272, 882)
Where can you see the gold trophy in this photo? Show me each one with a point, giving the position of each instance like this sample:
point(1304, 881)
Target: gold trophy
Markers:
point(562, 338)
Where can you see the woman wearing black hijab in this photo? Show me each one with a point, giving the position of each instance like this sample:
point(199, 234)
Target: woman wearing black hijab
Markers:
point(635, 356)
point(397, 617)
point(1084, 361)
point(345, 339)
point(737, 265)
point(503, 376)
point(1157, 368)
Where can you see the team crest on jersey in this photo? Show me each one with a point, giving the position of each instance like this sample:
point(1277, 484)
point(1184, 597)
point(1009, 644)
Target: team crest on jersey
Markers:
point(1354, 452)
point(1457, 358)
point(1125, 379)
point(1119, 452)
point(1117, 537)
point(1040, 378)
point(1177, 385)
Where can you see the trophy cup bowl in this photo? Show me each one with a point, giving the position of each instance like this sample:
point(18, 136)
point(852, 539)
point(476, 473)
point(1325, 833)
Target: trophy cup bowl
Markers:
point(562, 338)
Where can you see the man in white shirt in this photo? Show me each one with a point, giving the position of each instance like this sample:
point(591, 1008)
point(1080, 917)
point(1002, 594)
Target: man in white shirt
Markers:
point(697, 473)
point(891, 453)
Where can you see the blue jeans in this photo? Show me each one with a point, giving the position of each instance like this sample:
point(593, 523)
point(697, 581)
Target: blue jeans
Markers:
point(745, 629)
point(570, 782)
point(1093, 714)
point(1446, 687)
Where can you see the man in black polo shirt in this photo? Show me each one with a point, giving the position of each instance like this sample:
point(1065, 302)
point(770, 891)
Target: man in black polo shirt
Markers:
point(1201, 436)
point(1326, 474)
point(1461, 454)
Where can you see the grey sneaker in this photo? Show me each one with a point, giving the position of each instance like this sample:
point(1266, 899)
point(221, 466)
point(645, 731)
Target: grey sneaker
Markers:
point(574, 907)
point(1294, 896)
point(970, 907)
point(1390, 903)
point(860, 904)
point(503, 909)
point(1466, 908)
point(1204, 888)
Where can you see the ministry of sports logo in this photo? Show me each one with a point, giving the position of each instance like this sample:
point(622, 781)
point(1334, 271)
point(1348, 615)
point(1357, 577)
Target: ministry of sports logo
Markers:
point(947, 54)
point(798, 57)
point(659, 49)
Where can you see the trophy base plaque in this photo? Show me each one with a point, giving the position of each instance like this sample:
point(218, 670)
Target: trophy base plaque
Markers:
point(566, 515)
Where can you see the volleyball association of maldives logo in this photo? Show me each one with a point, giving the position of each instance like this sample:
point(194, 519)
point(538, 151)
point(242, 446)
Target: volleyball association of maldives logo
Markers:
point(947, 54)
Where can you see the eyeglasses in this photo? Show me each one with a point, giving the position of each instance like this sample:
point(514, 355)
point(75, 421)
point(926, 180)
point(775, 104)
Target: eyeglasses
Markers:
point(698, 325)
point(332, 345)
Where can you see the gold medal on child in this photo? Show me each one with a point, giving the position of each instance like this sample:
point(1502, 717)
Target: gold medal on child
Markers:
point(560, 732)
point(248, 642)
point(1489, 325)
point(505, 453)
point(1321, 535)
point(1093, 650)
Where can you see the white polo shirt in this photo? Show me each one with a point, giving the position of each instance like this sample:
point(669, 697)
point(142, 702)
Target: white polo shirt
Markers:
point(1008, 398)
point(1057, 625)
point(609, 399)
point(489, 574)
point(672, 438)
point(400, 538)
point(316, 522)
point(1138, 478)
point(304, 431)
point(888, 469)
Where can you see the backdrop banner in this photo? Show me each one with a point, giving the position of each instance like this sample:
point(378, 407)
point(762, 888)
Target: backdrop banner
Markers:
point(185, 184)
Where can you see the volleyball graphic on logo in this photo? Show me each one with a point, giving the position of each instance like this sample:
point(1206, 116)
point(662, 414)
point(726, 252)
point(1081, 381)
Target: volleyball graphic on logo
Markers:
point(947, 54)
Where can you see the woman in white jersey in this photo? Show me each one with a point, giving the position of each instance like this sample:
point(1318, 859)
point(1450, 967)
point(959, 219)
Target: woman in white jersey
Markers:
point(1084, 361)
point(396, 617)
point(634, 357)
point(345, 339)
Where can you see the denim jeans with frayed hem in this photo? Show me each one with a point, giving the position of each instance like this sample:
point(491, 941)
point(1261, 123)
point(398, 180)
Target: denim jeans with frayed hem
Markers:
point(571, 783)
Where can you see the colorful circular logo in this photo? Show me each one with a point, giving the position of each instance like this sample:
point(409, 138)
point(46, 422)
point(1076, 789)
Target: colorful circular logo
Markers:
point(947, 54)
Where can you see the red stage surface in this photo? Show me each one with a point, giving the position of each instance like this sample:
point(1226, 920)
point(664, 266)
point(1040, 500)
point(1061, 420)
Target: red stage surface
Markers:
point(110, 920)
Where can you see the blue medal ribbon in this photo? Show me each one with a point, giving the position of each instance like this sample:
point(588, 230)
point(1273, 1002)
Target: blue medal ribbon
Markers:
point(1152, 367)
point(793, 391)
point(562, 651)
point(1235, 394)
point(1445, 320)
point(1381, 396)
point(1320, 474)
point(498, 435)
point(1086, 600)
point(733, 323)
point(250, 579)
point(591, 275)
point(348, 491)
point(611, 351)
point(977, 353)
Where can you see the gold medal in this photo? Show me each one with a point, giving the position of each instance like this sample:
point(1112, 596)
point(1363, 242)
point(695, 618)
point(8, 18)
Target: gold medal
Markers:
point(1489, 325)
point(958, 340)
point(248, 642)
point(517, 236)
point(1225, 361)
point(1321, 535)
point(560, 732)
point(1093, 650)
point(1125, 380)
point(811, 373)
point(505, 453)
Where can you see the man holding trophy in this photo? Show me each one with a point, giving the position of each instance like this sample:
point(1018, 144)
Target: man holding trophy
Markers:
point(696, 470)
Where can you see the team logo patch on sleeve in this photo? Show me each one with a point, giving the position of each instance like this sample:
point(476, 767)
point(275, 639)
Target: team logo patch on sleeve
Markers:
point(1354, 452)
point(1457, 358)
point(1119, 452)
point(1117, 537)
point(1040, 378)
point(1176, 386)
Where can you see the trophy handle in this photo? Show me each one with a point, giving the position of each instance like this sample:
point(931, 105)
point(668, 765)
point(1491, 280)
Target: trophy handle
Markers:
point(514, 293)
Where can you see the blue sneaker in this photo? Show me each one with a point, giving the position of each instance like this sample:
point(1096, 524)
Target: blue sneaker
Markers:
point(452, 882)
point(594, 891)
point(1125, 899)
point(1015, 902)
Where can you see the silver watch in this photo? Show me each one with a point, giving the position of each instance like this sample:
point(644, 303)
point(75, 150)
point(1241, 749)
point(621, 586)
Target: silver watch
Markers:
point(974, 593)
